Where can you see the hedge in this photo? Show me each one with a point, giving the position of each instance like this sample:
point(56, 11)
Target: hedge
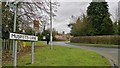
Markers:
point(97, 39)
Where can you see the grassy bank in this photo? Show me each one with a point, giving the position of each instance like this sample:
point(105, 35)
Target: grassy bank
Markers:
point(95, 45)
point(39, 43)
point(62, 56)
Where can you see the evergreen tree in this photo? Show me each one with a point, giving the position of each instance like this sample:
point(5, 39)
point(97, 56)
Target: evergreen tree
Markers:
point(106, 26)
point(115, 28)
point(99, 18)
point(75, 28)
point(119, 27)
point(80, 27)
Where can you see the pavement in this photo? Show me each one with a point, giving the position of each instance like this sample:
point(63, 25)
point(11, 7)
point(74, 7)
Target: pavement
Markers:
point(110, 53)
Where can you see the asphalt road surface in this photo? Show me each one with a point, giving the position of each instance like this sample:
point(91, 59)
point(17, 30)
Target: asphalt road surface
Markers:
point(110, 53)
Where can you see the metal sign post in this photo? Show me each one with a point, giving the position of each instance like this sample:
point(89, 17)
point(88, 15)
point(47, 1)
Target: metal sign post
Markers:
point(51, 25)
point(33, 46)
point(15, 53)
point(16, 36)
point(14, 30)
point(14, 41)
point(36, 25)
point(32, 60)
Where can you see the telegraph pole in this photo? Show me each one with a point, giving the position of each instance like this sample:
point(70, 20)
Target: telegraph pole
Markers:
point(51, 46)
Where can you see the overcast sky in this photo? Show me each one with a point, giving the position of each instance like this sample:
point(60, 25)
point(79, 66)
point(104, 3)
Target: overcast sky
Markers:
point(74, 7)
point(67, 9)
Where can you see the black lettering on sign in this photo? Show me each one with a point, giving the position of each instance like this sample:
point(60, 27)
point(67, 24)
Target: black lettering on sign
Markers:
point(13, 35)
point(34, 38)
point(17, 36)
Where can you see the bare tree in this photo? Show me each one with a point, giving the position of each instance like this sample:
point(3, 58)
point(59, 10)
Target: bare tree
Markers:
point(28, 11)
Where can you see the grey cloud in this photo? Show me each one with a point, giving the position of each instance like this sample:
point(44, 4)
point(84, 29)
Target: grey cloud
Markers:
point(68, 9)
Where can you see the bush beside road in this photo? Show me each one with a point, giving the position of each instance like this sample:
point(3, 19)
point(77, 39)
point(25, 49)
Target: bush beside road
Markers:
point(97, 39)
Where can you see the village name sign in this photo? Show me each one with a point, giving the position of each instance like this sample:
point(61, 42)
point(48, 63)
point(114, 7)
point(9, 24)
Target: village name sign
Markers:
point(16, 36)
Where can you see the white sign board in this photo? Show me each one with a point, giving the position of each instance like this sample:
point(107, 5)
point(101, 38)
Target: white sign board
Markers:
point(23, 37)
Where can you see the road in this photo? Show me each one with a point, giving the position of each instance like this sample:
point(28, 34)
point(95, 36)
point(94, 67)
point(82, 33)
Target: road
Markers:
point(0, 53)
point(110, 53)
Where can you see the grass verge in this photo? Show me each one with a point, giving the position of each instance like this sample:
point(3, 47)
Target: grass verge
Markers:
point(96, 45)
point(63, 56)
point(39, 43)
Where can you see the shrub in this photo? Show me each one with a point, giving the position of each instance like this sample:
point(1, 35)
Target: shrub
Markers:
point(97, 39)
